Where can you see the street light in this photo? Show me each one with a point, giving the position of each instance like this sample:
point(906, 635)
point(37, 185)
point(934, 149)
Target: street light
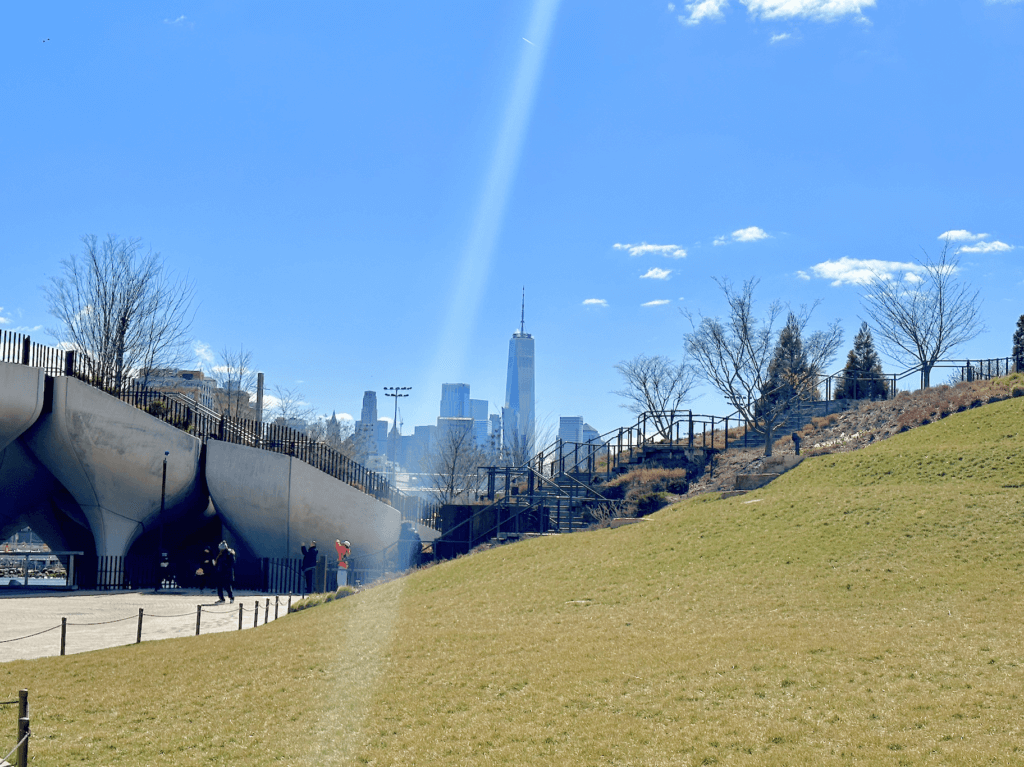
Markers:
point(396, 392)
point(162, 554)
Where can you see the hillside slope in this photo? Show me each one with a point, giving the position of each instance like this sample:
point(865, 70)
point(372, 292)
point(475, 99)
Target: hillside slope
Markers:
point(865, 607)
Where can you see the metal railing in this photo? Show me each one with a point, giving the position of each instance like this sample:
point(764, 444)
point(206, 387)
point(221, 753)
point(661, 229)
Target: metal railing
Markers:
point(206, 423)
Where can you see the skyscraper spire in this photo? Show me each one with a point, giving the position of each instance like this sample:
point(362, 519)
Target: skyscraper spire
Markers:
point(522, 315)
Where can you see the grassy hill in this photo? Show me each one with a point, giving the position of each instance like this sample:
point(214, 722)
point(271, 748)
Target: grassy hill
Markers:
point(865, 607)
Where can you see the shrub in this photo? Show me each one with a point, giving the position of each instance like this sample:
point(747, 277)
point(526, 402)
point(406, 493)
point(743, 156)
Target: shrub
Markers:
point(1018, 391)
point(648, 503)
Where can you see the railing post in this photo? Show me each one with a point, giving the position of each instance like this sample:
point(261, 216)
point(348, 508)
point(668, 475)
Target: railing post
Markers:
point(239, 616)
point(69, 363)
point(26, 349)
point(23, 736)
point(199, 617)
point(138, 631)
point(63, 634)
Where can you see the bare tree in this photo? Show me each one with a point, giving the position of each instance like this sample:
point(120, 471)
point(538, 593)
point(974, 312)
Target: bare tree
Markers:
point(290, 405)
point(919, 318)
point(238, 379)
point(735, 356)
point(453, 463)
point(121, 310)
point(655, 385)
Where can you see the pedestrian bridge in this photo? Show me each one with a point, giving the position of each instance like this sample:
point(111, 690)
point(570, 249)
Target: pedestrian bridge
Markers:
point(89, 472)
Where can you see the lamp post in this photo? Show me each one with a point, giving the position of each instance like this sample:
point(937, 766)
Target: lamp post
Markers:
point(161, 560)
point(396, 392)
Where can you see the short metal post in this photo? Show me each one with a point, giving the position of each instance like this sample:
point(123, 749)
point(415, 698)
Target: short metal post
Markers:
point(266, 612)
point(289, 602)
point(239, 616)
point(199, 617)
point(138, 632)
point(256, 615)
point(277, 603)
point(63, 634)
point(23, 740)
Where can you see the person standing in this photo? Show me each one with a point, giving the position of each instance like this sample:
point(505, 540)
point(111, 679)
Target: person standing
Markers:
point(224, 566)
point(343, 550)
point(205, 571)
point(409, 546)
point(309, 557)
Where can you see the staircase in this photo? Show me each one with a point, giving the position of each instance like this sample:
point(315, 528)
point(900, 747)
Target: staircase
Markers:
point(798, 416)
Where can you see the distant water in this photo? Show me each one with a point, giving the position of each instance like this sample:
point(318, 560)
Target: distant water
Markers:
point(36, 581)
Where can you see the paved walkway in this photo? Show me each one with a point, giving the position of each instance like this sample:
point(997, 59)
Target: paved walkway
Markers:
point(100, 619)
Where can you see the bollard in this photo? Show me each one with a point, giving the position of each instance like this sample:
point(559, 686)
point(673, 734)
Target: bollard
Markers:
point(23, 741)
point(256, 615)
point(239, 616)
point(199, 616)
point(138, 634)
point(63, 633)
point(277, 602)
point(266, 612)
point(289, 603)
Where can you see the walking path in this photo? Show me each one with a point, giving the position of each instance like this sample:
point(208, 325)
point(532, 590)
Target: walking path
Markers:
point(115, 618)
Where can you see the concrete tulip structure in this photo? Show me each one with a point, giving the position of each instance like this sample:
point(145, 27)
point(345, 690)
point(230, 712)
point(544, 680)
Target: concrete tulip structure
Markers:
point(84, 470)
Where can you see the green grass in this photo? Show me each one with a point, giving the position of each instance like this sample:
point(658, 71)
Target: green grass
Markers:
point(863, 608)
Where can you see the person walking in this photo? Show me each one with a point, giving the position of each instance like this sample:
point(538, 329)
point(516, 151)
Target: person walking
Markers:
point(224, 566)
point(309, 557)
point(343, 550)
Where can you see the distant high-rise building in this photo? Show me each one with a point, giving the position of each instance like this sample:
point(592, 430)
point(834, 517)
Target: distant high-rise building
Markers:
point(518, 416)
point(495, 420)
point(455, 400)
point(367, 429)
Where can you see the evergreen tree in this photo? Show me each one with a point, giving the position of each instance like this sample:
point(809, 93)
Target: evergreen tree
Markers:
point(862, 377)
point(1018, 345)
point(790, 376)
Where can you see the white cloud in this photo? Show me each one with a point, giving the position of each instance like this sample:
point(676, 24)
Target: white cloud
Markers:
point(595, 302)
point(203, 351)
point(780, 38)
point(913, 278)
point(669, 251)
point(961, 234)
point(750, 234)
point(4, 320)
point(179, 20)
point(987, 247)
point(821, 10)
point(654, 273)
point(658, 302)
point(671, 7)
point(862, 271)
point(701, 10)
point(803, 275)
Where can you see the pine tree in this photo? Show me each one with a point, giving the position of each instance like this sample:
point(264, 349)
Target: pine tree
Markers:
point(862, 377)
point(1018, 345)
point(789, 373)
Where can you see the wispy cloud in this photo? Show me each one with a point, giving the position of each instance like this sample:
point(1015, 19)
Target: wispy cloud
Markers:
point(658, 302)
point(862, 271)
point(4, 320)
point(671, 7)
point(750, 234)
point(987, 247)
point(654, 273)
point(803, 275)
point(669, 251)
point(819, 10)
point(203, 351)
point(958, 235)
point(176, 22)
point(595, 302)
point(779, 38)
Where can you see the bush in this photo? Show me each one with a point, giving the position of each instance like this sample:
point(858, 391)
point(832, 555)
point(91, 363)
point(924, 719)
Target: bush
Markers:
point(648, 503)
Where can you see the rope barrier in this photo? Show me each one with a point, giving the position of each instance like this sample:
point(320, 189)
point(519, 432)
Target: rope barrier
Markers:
point(179, 615)
point(104, 623)
point(5, 641)
point(8, 702)
point(16, 747)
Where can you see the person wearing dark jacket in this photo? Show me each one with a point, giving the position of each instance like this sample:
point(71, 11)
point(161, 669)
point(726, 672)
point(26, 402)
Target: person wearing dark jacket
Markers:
point(309, 557)
point(409, 546)
point(224, 566)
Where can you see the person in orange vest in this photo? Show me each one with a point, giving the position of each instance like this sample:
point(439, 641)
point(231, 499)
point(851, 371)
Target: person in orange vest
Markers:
point(343, 549)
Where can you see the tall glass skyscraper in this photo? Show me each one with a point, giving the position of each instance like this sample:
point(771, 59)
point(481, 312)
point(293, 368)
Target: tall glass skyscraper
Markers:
point(518, 416)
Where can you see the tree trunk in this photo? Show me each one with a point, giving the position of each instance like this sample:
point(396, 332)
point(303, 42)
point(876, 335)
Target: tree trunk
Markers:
point(926, 376)
point(767, 439)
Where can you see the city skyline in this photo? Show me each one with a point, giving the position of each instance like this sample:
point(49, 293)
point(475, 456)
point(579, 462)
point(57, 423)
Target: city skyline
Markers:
point(359, 200)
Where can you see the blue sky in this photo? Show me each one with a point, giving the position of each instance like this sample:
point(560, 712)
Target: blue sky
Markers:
point(361, 190)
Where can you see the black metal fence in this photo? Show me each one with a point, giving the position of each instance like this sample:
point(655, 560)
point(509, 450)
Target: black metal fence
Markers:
point(204, 423)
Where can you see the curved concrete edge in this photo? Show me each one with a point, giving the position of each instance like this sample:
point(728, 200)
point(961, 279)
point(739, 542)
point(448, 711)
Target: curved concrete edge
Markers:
point(275, 503)
point(109, 455)
point(22, 402)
